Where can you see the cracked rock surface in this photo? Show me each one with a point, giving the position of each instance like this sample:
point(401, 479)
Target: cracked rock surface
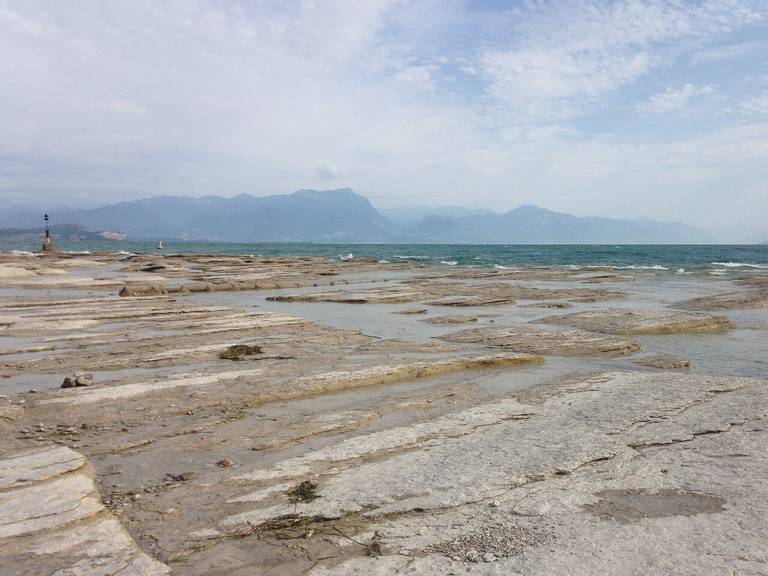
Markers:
point(358, 438)
point(663, 476)
point(52, 520)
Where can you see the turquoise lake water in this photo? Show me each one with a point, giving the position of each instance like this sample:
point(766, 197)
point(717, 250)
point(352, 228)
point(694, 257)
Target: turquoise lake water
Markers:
point(715, 258)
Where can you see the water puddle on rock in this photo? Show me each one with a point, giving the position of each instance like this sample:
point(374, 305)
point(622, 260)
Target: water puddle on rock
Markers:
point(632, 505)
point(50, 381)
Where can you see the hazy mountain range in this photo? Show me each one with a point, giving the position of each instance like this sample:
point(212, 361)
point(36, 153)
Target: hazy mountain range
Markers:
point(73, 232)
point(343, 216)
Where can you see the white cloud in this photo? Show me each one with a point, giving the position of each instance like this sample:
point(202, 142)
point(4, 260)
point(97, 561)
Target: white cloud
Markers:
point(416, 77)
point(327, 171)
point(756, 105)
point(436, 102)
point(569, 56)
point(673, 99)
point(726, 52)
point(557, 82)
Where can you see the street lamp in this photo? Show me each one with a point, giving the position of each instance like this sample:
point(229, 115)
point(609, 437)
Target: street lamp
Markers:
point(47, 242)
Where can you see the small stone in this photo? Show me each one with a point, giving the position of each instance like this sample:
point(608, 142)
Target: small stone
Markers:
point(495, 504)
point(473, 555)
point(33, 391)
point(183, 477)
point(225, 463)
point(83, 379)
point(489, 557)
point(78, 379)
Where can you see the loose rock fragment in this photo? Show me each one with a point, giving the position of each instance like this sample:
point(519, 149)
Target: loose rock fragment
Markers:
point(78, 379)
point(494, 541)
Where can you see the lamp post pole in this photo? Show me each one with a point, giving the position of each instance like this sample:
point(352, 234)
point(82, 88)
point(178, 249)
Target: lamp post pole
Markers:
point(47, 242)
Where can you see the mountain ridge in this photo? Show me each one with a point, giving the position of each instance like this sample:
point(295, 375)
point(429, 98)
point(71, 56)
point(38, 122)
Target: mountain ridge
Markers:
point(530, 224)
point(343, 216)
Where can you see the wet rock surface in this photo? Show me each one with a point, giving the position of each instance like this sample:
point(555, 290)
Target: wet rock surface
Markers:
point(548, 342)
point(457, 319)
point(450, 294)
point(742, 300)
point(636, 504)
point(53, 521)
point(636, 322)
point(663, 362)
point(531, 445)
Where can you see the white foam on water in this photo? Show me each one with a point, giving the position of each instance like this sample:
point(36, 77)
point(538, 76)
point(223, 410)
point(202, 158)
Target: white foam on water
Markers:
point(740, 265)
point(641, 267)
point(346, 258)
point(449, 262)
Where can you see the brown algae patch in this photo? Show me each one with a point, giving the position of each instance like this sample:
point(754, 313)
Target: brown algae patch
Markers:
point(304, 492)
point(239, 352)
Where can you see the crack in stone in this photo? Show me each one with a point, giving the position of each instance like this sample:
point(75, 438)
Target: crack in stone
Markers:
point(694, 435)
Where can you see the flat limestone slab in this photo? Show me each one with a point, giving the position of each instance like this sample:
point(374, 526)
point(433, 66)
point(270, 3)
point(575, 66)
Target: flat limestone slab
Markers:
point(123, 391)
point(37, 466)
point(536, 341)
point(449, 294)
point(750, 299)
point(623, 473)
point(52, 520)
point(637, 322)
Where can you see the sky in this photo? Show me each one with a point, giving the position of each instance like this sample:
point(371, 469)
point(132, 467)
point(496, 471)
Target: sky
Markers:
point(625, 108)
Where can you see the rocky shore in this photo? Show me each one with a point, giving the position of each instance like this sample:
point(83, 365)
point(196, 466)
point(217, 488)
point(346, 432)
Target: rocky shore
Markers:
point(220, 415)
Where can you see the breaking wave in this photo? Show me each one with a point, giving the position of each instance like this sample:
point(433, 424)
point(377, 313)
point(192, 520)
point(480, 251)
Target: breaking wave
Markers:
point(739, 265)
